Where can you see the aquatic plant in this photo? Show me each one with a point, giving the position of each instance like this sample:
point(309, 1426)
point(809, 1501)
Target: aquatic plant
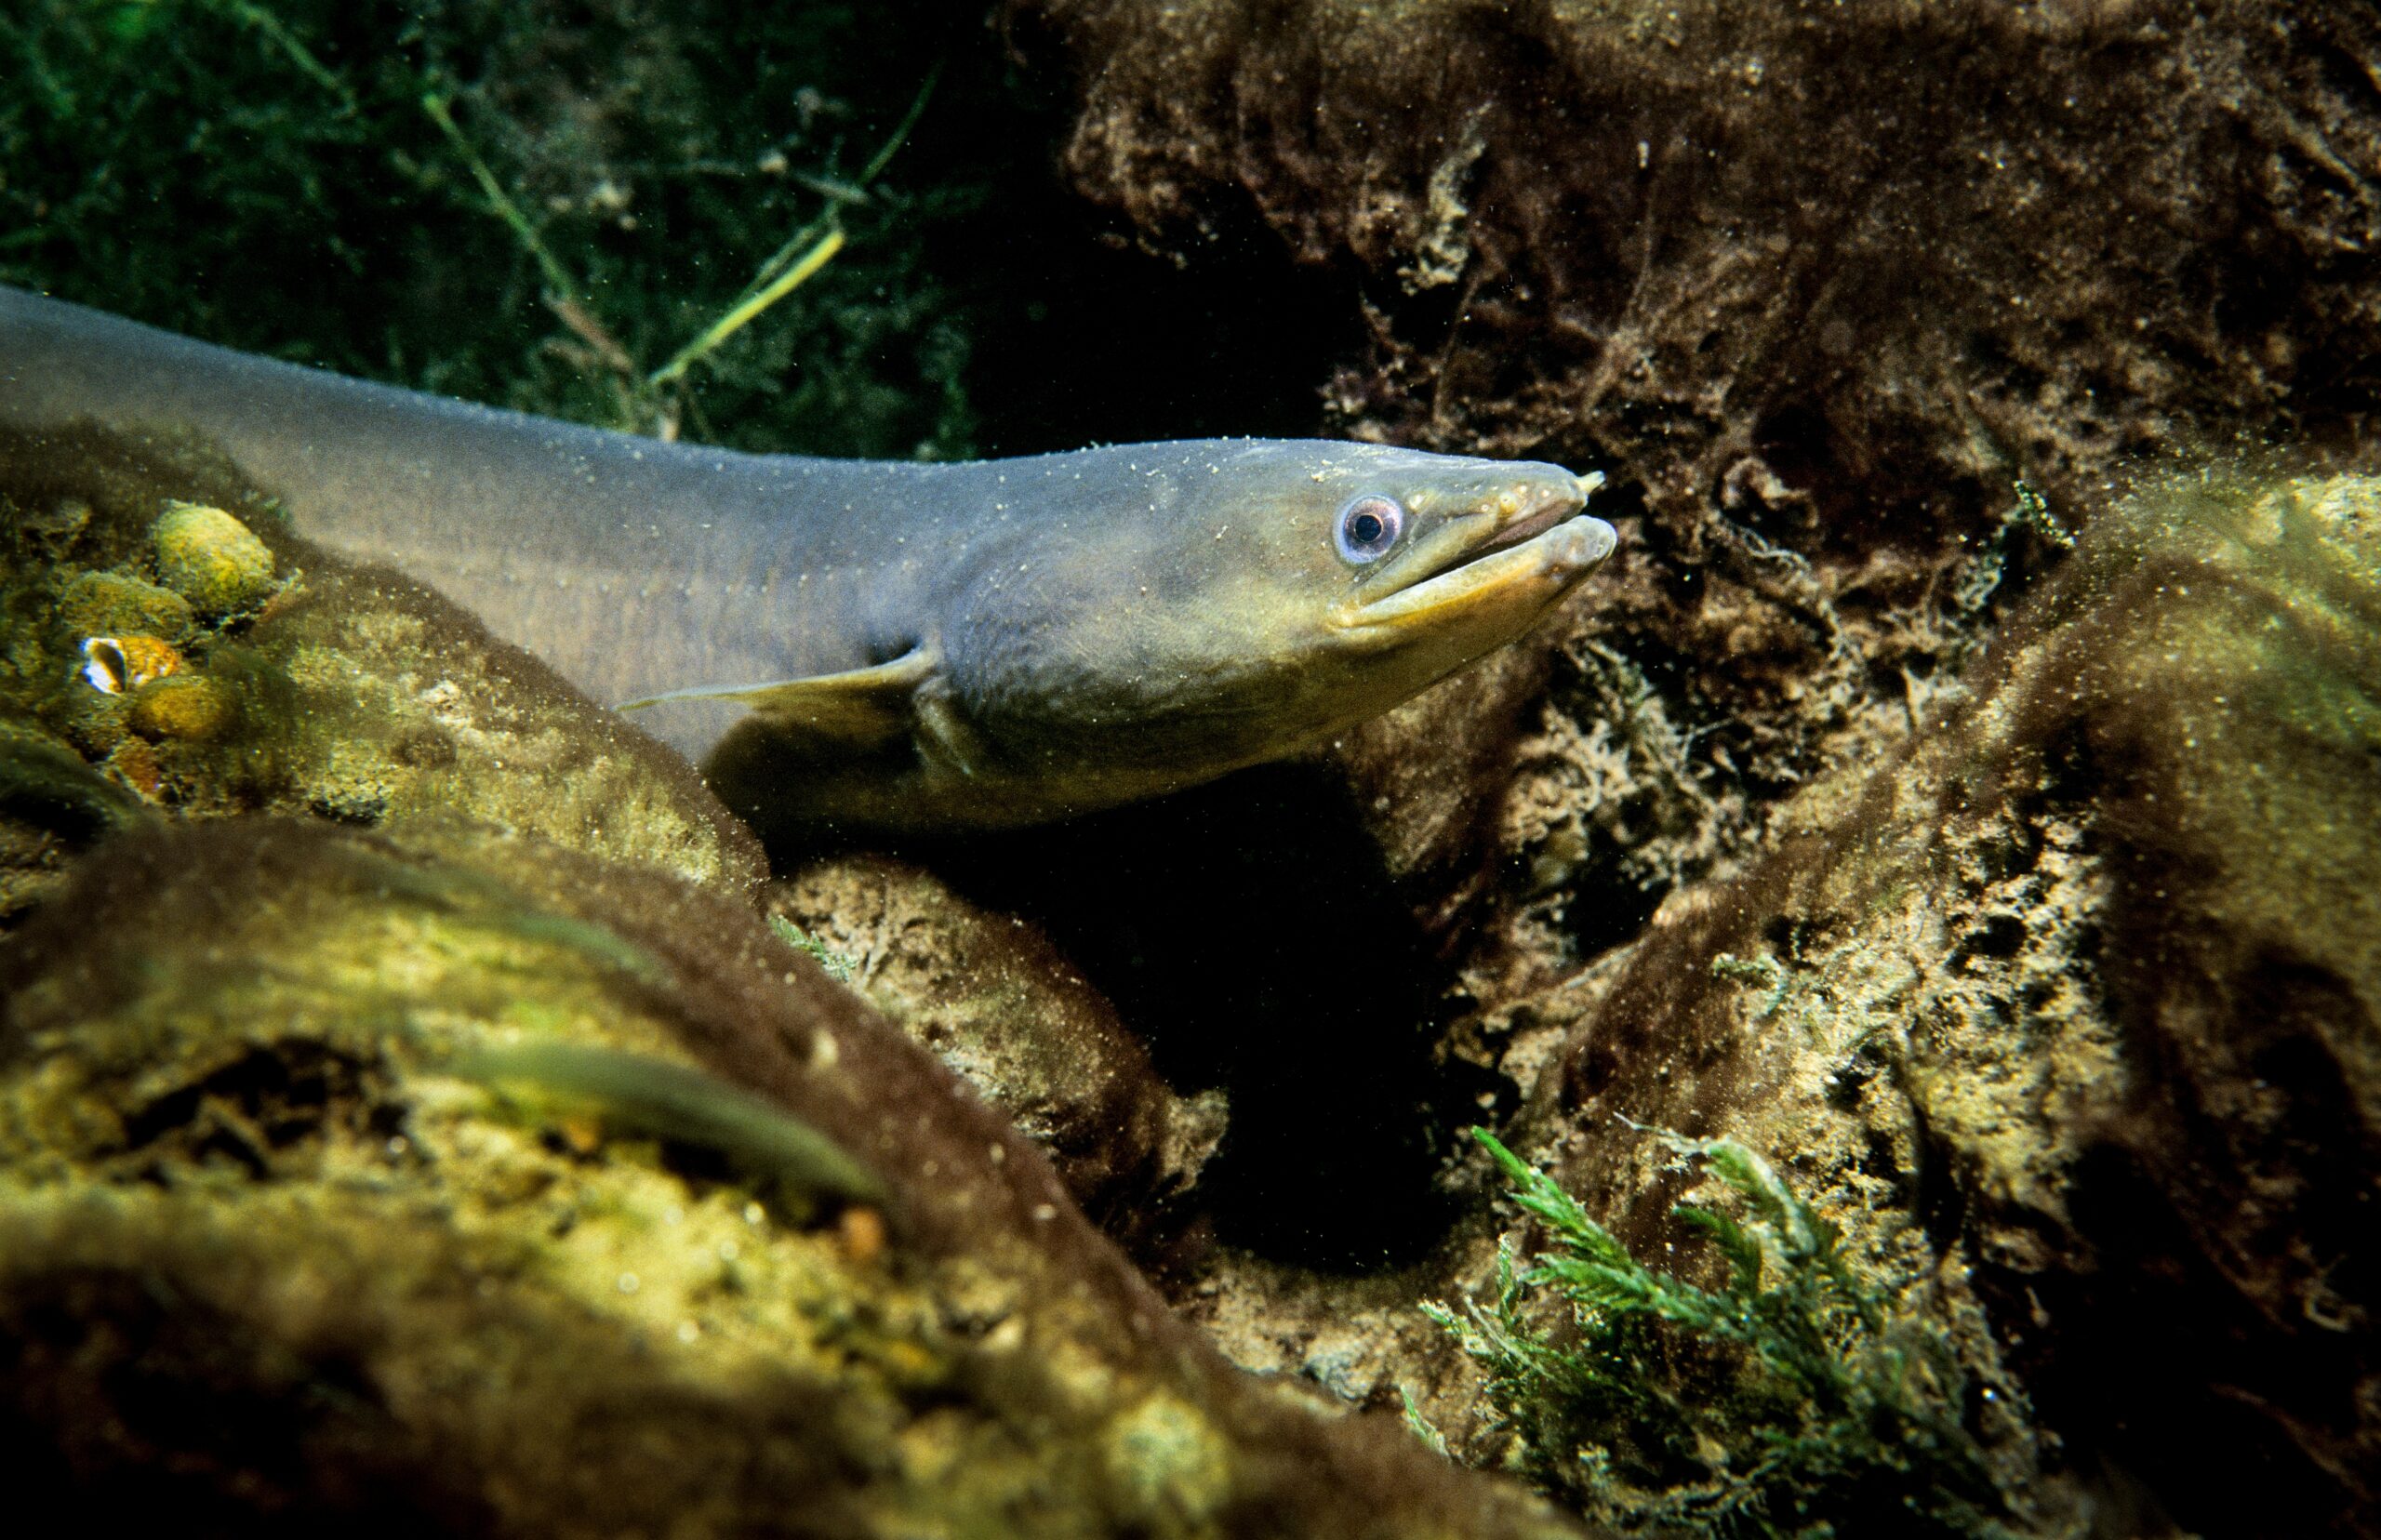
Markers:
point(479, 199)
point(672, 1101)
point(840, 968)
point(1791, 1398)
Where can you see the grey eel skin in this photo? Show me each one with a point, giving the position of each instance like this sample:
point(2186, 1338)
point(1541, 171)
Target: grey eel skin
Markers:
point(878, 645)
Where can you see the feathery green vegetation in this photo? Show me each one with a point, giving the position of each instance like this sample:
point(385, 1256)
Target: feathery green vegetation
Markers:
point(840, 968)
point(1790, 1399)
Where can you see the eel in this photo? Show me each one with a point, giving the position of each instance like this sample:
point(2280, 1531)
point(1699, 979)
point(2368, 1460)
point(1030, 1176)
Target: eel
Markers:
point(869, 645)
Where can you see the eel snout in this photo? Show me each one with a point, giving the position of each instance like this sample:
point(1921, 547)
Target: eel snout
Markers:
point(1509, 558)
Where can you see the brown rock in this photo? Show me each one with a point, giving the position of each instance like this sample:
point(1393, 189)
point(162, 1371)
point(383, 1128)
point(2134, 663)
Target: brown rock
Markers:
point(997, 1003)
point(2075, 1009)
point(270, 1254)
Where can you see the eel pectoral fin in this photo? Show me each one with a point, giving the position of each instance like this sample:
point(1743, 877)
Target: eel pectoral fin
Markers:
point(863, 707)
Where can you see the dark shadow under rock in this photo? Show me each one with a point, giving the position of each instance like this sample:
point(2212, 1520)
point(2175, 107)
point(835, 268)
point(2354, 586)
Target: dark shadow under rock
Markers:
point(1249, 933)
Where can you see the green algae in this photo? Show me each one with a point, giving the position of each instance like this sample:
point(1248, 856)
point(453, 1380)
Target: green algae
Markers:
point(43, 779)
point(840, 968)
point(652, 161)
point(667, 1100)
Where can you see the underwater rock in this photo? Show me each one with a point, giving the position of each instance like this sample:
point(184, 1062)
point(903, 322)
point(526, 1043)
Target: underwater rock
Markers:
point(1809, 264)
point(351, 693)
point(995, 1001)
point(2071, 1017)
point(180, 706)
point(211, 559)
point(1813, 284)
point(112, 603)
point(53, 806)
point(331, 1191)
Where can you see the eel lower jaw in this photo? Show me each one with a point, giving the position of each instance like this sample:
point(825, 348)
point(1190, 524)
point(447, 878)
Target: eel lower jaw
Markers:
point(1521, 572)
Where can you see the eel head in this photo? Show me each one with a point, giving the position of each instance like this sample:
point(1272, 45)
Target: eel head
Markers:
point(1243, 598)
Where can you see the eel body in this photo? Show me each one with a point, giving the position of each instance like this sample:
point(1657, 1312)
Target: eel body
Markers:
point(879, 645)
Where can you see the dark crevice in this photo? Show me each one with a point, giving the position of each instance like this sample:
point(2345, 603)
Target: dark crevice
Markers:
point(279, 1096)
point(1249, 933)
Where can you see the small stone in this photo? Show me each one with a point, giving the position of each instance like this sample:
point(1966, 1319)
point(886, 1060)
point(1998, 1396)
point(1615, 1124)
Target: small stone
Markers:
point(180, 705)
point(1167, 1465)
point(116, 603)
point(211, 559)
point(361, 806)
point(135, 763)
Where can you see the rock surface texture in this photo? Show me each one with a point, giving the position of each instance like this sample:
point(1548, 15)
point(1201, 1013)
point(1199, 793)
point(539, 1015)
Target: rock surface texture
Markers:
point(2077, 1008)
point(251, 1169)
point(997, 1002)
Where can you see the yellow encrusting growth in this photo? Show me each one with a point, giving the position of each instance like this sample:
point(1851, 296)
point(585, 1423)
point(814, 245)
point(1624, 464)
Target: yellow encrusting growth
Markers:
point(211, 559)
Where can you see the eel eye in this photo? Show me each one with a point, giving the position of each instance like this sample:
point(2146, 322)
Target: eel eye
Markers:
point(1368, 526)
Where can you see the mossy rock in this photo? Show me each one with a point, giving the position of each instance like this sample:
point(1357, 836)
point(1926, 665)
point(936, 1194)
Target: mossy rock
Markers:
point(352, 693)
point(211, 559)
point(273, 1250)
point(996, 1001)
point(182, 706)
point(115, 604)
point(2071, 1015)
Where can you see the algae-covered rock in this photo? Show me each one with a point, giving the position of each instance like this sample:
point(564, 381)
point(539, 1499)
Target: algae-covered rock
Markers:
point(2071, 1017)
point(1824, 269)
point(53, 807)
point(1813, 284)
point(180, 705)
point(292, 1234)
point(352, 694)
point(995, 1001)
point(211, 559)
point(112, 603)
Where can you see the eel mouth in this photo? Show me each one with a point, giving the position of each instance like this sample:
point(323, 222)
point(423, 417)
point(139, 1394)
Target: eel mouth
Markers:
point(1514, 559)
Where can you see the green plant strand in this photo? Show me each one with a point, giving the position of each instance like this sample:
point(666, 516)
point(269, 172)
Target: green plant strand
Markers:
point(1788, 1403)
point(558, 279)
point(741, 315)
point(314, 69)
point(823, 238)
